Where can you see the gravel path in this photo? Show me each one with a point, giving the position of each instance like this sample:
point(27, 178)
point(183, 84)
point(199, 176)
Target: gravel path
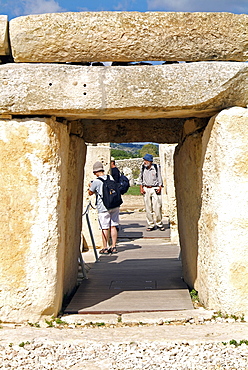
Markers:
point(173, 346)
point(48, 354)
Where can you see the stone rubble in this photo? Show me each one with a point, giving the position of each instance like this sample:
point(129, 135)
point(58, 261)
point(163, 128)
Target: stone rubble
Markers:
point(47, 354)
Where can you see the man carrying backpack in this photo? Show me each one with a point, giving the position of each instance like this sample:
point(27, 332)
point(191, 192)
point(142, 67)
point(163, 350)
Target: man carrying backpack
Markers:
point(108, 201)
point(150, 186)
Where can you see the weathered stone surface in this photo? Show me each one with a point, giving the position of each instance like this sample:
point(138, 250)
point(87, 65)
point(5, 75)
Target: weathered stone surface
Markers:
point(74, 200)
point(212, 206)
point(4, 42)
point(166, 154)
point(129, 36)
point(168, 91)
point(127, 131)
point(187, 171)
point(33, 183)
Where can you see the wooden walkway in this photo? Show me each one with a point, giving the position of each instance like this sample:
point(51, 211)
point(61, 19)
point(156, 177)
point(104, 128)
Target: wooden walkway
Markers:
point(145, 275)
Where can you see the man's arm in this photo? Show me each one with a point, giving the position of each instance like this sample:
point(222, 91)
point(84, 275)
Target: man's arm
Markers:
point(91, 190)
point(142, 190)
point(140, 180)
point(160, 181)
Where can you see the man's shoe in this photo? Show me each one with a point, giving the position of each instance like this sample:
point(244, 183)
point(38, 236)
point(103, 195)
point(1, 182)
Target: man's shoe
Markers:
point(161, 228)
point(151, 228)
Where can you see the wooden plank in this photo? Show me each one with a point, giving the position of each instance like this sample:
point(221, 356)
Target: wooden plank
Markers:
point(133, 266)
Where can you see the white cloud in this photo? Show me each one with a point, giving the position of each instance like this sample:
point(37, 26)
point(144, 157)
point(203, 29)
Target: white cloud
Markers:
point(124, 5)
point(238, 6)
point(26, 7)
point(41, 6)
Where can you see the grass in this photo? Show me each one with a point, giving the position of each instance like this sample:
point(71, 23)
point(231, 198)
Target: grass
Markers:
point(235, 343)
point(134, 190)
point(194, 295)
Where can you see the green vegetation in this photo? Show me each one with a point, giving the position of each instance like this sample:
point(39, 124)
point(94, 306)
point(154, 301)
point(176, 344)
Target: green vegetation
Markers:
point(36, 324)
point(194, 295)
point(22, 344)
point(134, 190)
point(226, 316)
point(149, 148)
point(55, 321)
point(122, 154)
point(50, 323)
point(235, 343)
point(98, 323)
point(132, 150)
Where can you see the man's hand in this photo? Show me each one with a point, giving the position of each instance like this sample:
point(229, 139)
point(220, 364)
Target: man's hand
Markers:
point(158, 191)
point(142, 191)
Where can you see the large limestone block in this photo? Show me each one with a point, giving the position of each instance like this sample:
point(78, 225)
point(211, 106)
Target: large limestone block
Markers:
point(223, 223)
point(167, 130)
point(33, 181)
point(4, 41)
point(187, 171)
point(168, 91)
point(166, 154)
point(74, 200)
point(129, 36)
point(212, 193)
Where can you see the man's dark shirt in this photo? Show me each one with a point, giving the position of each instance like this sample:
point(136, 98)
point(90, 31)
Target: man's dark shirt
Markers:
point(115, 174)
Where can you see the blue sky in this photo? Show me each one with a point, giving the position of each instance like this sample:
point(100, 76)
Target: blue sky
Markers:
point(15, 8)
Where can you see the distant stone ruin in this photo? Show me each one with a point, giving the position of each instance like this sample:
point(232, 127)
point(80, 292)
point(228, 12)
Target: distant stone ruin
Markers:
point(52, 102)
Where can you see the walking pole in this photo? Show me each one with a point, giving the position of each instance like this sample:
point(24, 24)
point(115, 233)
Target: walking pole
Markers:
point(90, 230)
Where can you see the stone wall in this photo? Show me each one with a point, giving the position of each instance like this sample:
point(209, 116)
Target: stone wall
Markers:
point(212, 193)
point(134, 165)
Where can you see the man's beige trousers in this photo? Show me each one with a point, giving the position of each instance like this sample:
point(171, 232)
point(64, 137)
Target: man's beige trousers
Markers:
point(153, 206)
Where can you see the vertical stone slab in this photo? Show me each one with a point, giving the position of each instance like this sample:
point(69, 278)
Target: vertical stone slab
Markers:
point(223, 223)
point(166, 154)
point(99, 152)
point(212, 196)
point(4, 39)
point(33, 181)
point(187, 169)
point(74, 206)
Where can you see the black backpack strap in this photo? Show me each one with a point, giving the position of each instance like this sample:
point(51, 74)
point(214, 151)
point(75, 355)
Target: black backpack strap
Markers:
point(142, 172)
point(156, 168)
point(102, 180)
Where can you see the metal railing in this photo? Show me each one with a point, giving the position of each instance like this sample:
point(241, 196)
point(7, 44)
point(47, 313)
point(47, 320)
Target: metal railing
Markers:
point(86, 213)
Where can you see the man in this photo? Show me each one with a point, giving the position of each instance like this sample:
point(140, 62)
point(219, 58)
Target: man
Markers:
point(114, 171)
point(150, 186)
point(108, 219)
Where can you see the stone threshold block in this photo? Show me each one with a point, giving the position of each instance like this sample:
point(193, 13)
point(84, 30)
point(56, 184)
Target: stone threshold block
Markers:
point(129, 36)
point(4, 41)
point(168, 91)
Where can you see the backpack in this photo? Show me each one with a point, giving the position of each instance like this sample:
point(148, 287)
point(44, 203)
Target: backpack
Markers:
point(111, 193)
point(123, 184)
